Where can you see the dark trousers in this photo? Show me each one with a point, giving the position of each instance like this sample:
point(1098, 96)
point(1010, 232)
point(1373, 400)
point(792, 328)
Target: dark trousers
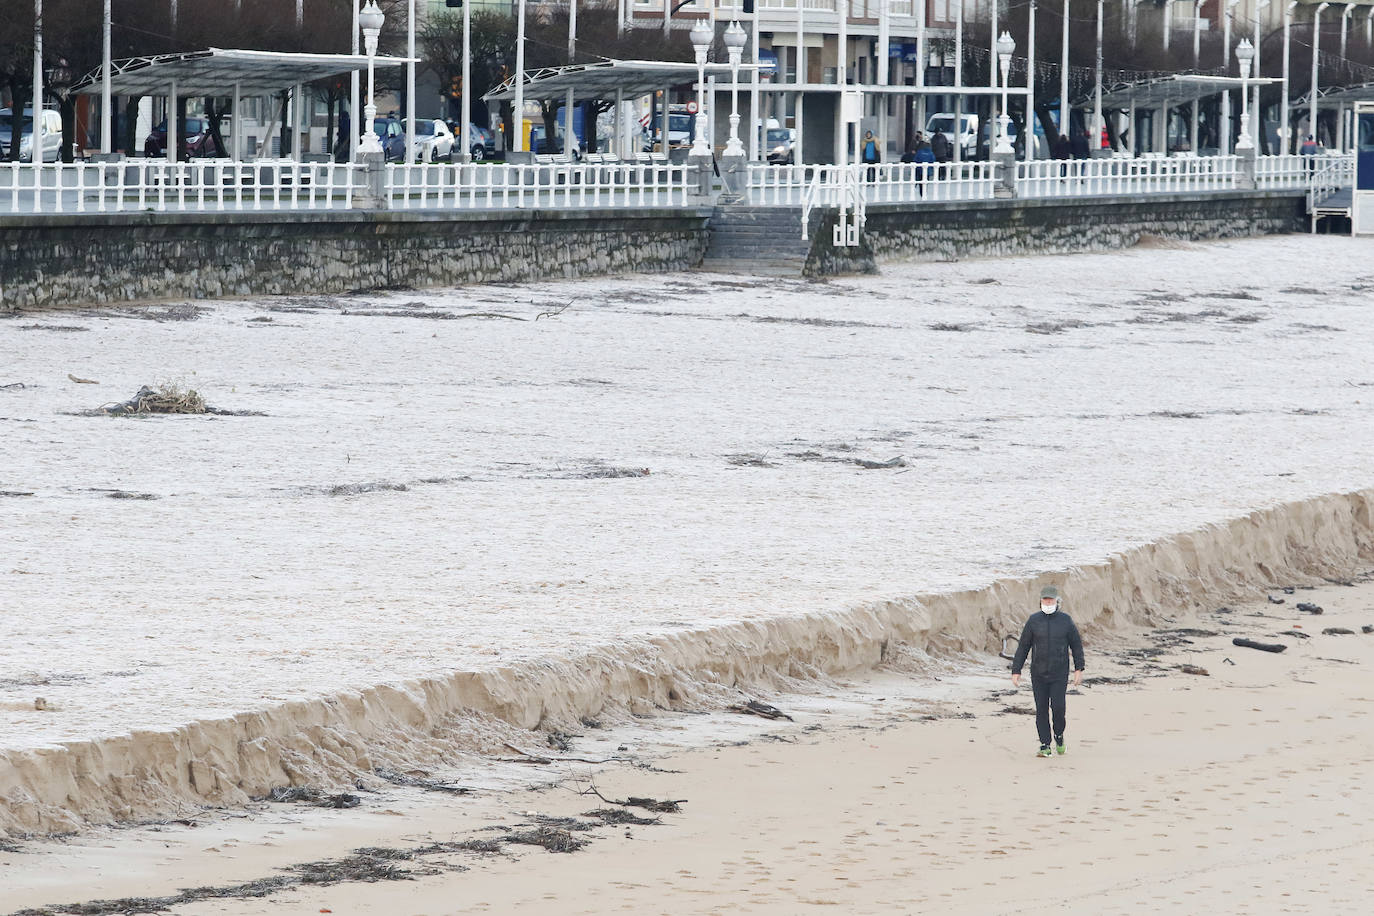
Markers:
point(1049, 697)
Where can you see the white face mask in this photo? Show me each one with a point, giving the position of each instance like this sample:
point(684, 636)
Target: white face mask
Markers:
point(1049, 608)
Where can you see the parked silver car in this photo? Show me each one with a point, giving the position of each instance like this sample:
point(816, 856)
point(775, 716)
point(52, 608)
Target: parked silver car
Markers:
point(52, 134)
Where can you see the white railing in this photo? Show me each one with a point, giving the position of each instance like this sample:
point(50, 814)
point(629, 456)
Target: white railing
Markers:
point(1274, 172)
point(790, 185)
point(916, 182)
point(551, 185)
point(210, 186)
point(1097, 177)
point(1329, 174)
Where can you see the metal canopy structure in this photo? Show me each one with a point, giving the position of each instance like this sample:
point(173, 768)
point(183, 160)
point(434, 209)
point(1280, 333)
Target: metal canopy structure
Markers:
point(1170, 91)
point(216, 72)
point(601, 80)
point(1339, 96)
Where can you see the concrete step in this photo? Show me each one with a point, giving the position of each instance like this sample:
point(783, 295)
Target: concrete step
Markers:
point(769, 267)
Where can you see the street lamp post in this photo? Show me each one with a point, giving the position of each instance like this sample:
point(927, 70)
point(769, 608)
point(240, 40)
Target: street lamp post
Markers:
point(370, 20)
point(1197, 51)
point(734, 44)
point(702, 36)
point(1259, 47)
point(1005, 46)
point(1245, 53)
point(106, 100)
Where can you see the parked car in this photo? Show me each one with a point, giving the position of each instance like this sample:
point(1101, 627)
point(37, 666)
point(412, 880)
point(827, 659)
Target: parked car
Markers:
point(483, 141)
point(52, 134)
point(433, 142)
point(393, 137)
point(199, 141)
point(779, 142)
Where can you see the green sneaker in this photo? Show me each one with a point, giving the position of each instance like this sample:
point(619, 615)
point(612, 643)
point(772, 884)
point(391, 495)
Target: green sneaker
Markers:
point(1044, 751)
point(1059, 747)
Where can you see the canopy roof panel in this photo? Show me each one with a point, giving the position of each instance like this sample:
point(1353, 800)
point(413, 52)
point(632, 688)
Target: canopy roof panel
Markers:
point(600, 80)
point(1178, 89)
point(1339, 96)
point(216, 71)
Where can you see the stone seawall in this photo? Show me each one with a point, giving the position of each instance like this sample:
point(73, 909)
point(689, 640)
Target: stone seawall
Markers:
point(992, 228)
point(61, 261)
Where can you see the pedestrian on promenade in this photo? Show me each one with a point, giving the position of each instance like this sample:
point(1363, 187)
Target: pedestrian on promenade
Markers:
point(939, 145)
point(924, 157)
point(1049, 637)
point(871, 154)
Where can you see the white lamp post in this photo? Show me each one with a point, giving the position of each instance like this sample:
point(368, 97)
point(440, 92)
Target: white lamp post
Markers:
point(37, 142)
point(734, 44)
point(1064, 115)
point(702, 37)
point(1005, 46)
point(1226, 146)
point(1245, 53)
point(370, 20)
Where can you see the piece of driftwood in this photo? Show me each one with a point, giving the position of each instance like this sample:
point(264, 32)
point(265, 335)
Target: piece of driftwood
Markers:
point(1193, 669)
point(755, 708)
point(529, 757)
point(1262, 646)
point(1337, 631)
point(667, 806)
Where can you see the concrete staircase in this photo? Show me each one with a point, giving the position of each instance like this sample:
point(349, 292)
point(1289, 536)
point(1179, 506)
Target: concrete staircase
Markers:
point(756, 240)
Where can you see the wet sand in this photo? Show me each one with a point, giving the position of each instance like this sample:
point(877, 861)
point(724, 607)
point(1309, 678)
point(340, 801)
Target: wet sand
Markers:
point(1237, 792)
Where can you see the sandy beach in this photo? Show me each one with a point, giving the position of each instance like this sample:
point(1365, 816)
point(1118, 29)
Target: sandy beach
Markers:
point(912, 789)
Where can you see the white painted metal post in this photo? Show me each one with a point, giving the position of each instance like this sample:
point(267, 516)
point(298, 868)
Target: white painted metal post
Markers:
point(842, 80)
point(1345, 27)
point(1285, 128)
point(1065, 118)
point(518, 118)
point(1168, 22)
point(1029, 127)
point(569, 135)
point(1316, 56)
point(1225, 119)
point(465, 129)
point(173, 128)
point(1095, 140)
point(619, 146)
point(412, 138)
point(1197, 51)
point(884, 66)
point(667, 18)
point(297, 115)
point(236, 126)
point(354, 131)
point(958, 144)
point(992, 48)
point(755, 92)
point(799, 80)
point(922, 61)
point(106, 77)
point(1257, 118)
point(37, 132)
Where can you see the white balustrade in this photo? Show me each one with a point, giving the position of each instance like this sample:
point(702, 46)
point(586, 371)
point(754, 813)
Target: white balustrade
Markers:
point(1121, 176)
point(788, 185)
point(542, 185)
point(148, 184)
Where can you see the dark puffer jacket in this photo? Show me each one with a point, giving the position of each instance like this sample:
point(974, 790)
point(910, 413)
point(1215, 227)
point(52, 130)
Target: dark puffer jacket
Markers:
point(1049, 638)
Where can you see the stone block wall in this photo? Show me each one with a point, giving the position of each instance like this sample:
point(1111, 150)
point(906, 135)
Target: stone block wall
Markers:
point(992, 228)
point(61, 261)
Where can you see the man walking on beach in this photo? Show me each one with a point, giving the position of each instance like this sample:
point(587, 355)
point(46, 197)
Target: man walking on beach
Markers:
point(1049, 636)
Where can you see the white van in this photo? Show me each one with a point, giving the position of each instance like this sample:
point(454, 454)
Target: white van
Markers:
point(943, 122)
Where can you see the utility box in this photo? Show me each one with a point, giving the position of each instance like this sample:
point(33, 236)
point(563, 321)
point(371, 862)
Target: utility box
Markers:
point(851, 106)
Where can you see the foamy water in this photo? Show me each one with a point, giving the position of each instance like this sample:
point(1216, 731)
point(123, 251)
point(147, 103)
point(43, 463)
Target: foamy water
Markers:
point(1072, 408)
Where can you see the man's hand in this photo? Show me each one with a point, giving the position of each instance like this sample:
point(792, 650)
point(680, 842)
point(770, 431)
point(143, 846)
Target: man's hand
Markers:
point(1078, 677)
point(1016, 680)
